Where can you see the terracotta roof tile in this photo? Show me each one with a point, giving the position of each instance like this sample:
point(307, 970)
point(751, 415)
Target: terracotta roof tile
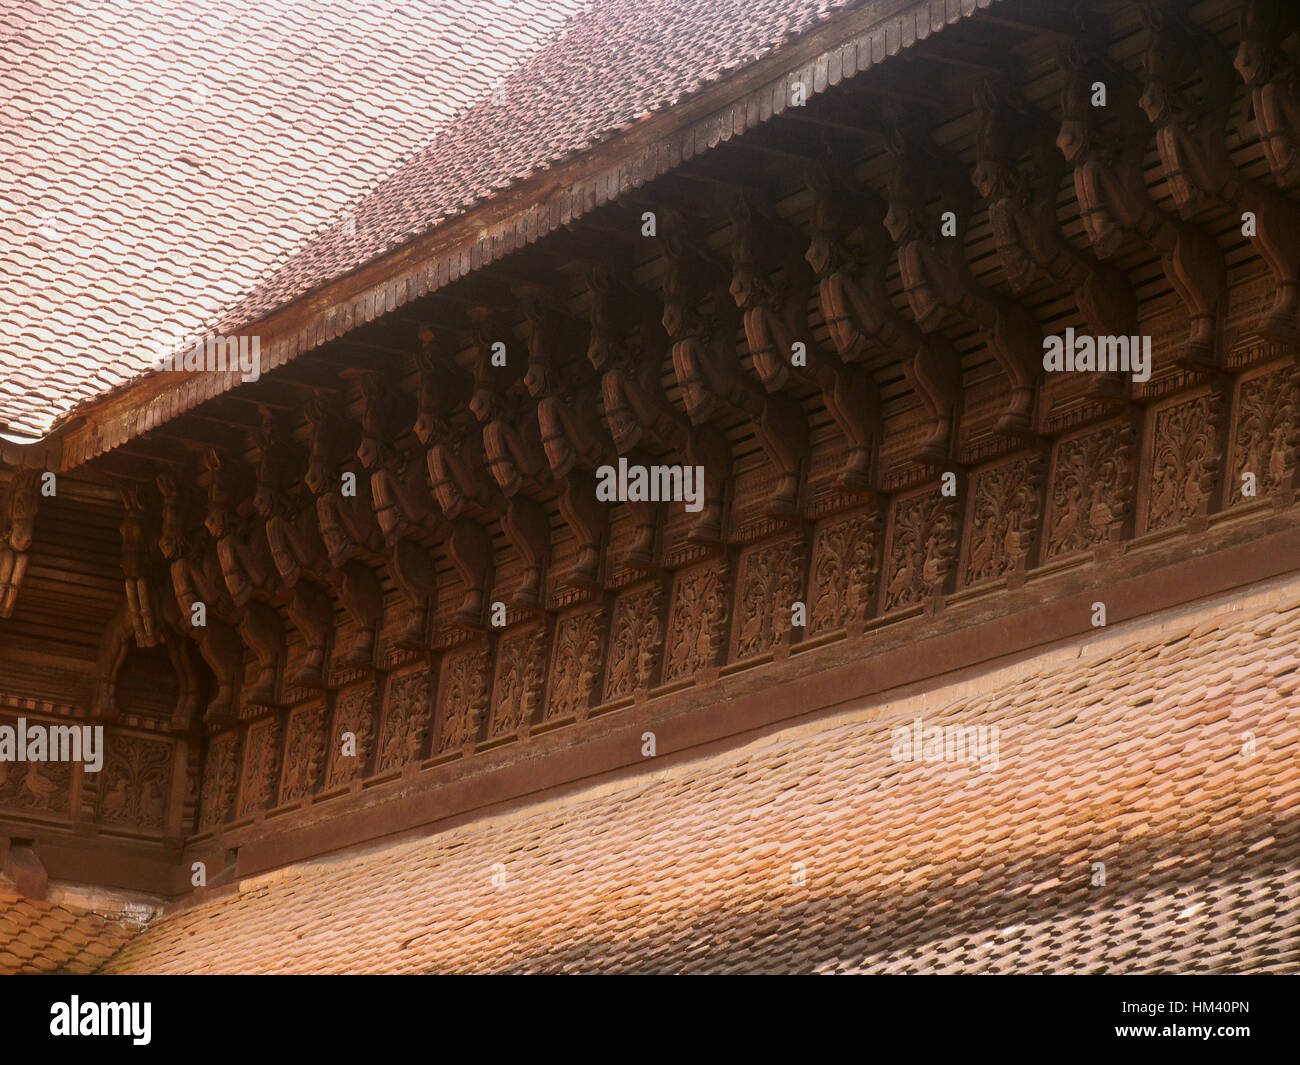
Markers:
point(901, 867)
point(159, 157)
point(39, 937)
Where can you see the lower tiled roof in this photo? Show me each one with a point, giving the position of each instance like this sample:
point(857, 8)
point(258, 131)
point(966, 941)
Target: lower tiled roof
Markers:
point(1164, 757)
point(43, 937)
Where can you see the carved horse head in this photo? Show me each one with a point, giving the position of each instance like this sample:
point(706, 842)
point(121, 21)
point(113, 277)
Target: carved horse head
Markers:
point(322, 445)
point(19, 517)
point(1265, 24)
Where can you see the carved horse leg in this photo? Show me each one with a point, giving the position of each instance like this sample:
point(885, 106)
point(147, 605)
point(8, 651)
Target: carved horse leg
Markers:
point(221, 649)
point(588, 519)
point(417, 579)
point(470, 550)
point(313, 613)
point(263, 633)
point(707, 448)
point(527, 528)
point(359, 589)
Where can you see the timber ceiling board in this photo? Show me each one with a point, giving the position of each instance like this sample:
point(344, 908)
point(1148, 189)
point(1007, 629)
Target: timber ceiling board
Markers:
point(906, 867)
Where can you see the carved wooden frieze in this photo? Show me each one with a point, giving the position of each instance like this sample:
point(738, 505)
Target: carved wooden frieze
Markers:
point(135, 782)
point(771, 582)
point(1185, 454)
point(575, 669)
point(467, 676)
point(845, 571)
point(1263, 436)
point(353, 735)
point(261, 767)
point(220, 777)
point(521, 679)
point(1005, 507)
point(922, 548)
point(1092, 490)
point(305, 752)
point(406, 720)
point(697, 624)
point(637, 637)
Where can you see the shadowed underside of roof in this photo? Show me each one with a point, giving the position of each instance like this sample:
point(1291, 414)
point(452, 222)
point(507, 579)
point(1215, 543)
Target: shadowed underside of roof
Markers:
point(1141, 817)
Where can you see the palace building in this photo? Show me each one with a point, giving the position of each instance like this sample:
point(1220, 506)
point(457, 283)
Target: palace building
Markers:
point(327, 331)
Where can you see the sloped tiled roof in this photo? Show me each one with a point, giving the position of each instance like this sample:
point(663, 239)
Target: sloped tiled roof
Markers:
point(42, 937)
point(1164, 758)
point(172, 188)
point(159, 157)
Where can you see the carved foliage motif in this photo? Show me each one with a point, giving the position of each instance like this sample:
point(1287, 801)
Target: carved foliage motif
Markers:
point(355, 713)
point(923, 547)
point(579, 640)
point(844, 571)
point(1092, 487)
point(464, 699)
point(261, 767)
point(1185, 460)
point(304, 752)
point(521, 676)
point(771, 582)
point(1004, 517)
point(635, 643)
point(698, 623)
point(406, 724)
point(220, 777)
point(135, 782)
point(1263, 441)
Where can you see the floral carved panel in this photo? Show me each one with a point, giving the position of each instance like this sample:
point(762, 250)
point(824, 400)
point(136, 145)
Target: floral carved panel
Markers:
point(771, 582)
point(697, 625)
point(579, 647)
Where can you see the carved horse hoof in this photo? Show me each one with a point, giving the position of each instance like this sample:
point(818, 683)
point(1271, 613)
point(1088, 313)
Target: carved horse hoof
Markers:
point(586, 570)
point(310, 676)
point(855, 477)
point(784, 503)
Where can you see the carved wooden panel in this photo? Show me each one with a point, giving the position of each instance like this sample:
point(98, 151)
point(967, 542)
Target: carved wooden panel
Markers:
point(406, 720)
point(579, 655)
point(845, 571)
point(261, 766)
point(465, 682)
point(771, 582)
point(1263, 435)
point(354, 713)
point(305, 752)
point(135, 782)
point(922, 548)
point(1005, 504)
point(1092, 490)
point(45, 787)
point(697, 625)
point(636, 638)
point(220, 776)
point(521, 679)
point(1185, 453)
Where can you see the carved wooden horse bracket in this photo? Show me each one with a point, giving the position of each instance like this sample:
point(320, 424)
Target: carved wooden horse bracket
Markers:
point(1271, 73)
point(1111, 187)
point(626, 349)
point(1187, 96)
point(923, 187)
point(457, 469)
point(776, 321)
point(17, 523)
point(850, 253)
point(704, 360)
